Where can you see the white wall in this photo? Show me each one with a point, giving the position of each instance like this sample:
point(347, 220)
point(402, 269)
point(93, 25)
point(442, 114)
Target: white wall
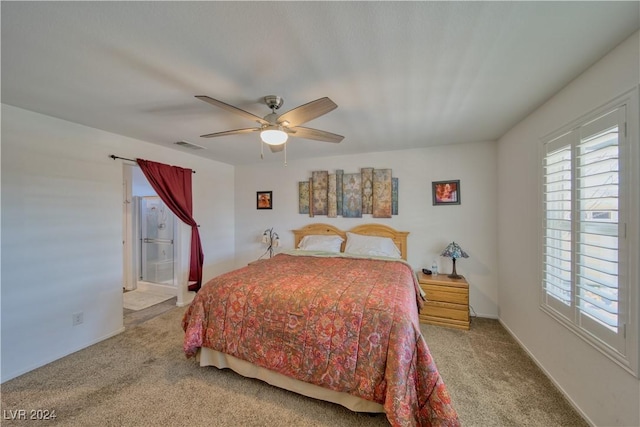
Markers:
point(473, 224)
point(605, 393)
point(62, 232)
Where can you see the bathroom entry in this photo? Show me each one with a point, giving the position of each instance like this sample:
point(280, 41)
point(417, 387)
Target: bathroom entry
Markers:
point(156, 236)
point(135, 188)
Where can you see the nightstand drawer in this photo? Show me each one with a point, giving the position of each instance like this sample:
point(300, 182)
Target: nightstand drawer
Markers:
point(445, 310)
point(449, 323)
point(451, 295)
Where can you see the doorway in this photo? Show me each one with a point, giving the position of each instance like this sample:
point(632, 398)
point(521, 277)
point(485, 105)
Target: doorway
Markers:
point(164, 258)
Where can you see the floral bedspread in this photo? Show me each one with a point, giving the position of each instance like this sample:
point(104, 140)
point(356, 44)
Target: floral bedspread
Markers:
point(347, 324)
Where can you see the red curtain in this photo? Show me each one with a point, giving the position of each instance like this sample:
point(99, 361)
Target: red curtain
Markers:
point(173, 185)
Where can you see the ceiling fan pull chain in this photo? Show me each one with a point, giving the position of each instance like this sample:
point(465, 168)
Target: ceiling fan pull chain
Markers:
point(285, 154)
point(261, 150)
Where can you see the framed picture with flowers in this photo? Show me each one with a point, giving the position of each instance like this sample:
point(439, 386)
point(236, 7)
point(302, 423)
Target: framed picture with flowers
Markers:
point(446, 192)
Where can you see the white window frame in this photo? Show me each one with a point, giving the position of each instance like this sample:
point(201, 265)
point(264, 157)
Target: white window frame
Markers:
point(624, 347)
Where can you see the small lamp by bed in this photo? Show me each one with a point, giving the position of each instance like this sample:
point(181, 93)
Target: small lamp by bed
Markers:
point(271, 239)
point(454, 251)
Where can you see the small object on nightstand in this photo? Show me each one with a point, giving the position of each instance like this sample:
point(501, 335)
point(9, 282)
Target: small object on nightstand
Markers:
point(427, 272)
point(271, 239)
point(447, 301)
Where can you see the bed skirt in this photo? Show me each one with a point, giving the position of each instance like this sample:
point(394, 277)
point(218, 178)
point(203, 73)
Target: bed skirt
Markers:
point(209, 357)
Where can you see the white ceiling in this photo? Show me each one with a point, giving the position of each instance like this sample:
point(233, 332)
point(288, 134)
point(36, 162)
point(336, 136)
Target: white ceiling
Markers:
point(404, 74)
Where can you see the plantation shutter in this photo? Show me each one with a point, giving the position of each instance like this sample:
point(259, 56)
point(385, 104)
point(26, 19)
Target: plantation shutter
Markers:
point(557, 242)
point(598, 233)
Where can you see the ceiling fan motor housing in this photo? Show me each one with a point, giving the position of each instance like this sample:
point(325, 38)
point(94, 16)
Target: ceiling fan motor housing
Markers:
point(274, 102)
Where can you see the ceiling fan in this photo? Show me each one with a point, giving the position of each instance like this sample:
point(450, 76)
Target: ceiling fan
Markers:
point(275, 129)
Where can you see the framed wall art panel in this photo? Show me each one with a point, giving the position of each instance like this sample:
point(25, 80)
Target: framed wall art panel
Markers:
point(303, 197)
point(446, 192)
point(352, 195)
point(382, 193)
point(339, 175)
point(320, 192)
point(394, 196)
point(332, 203)
point(367, 190)
point(311, 197)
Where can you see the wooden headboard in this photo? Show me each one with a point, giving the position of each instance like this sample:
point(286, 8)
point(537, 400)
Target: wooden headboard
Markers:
point(379, 230)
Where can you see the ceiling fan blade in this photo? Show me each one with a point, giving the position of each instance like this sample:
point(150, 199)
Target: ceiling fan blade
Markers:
point(230, 132)
point(318, 135)
point(233, 109)
point(307, 112)
point(276, 148)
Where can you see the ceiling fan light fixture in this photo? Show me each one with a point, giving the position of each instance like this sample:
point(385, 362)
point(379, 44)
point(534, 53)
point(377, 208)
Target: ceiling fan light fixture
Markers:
point(273, 135)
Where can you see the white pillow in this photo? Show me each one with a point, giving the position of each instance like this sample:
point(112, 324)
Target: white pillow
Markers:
point(371, 245)
point(318, 242)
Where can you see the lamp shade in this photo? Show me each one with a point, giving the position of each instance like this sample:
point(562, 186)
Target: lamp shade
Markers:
point(454, 251)
point(273, 135)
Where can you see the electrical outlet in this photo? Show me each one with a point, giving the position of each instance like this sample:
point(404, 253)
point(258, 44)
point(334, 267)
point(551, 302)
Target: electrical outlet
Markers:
point(77, 318)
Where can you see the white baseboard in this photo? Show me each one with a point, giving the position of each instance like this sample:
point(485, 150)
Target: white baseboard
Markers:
point(484, 316)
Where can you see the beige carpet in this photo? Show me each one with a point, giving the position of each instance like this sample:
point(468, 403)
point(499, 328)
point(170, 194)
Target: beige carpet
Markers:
point(139, 300)
point(141, 378)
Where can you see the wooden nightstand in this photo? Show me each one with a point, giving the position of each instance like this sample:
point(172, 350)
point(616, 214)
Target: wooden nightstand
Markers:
point(447, 301)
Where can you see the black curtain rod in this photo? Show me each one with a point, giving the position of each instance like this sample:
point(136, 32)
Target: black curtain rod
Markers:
point(132, 160)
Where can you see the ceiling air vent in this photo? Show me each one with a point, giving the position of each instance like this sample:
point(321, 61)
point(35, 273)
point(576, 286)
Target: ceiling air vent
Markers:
point(189, 145)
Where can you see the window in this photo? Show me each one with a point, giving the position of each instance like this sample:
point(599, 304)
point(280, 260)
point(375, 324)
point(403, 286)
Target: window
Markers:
point(587, 203)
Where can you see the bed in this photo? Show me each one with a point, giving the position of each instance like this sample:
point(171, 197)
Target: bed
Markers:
point(332, 325)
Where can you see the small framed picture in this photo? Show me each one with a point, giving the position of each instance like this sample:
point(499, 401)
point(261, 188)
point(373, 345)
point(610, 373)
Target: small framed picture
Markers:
point(446, 192)
point(265, 200)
